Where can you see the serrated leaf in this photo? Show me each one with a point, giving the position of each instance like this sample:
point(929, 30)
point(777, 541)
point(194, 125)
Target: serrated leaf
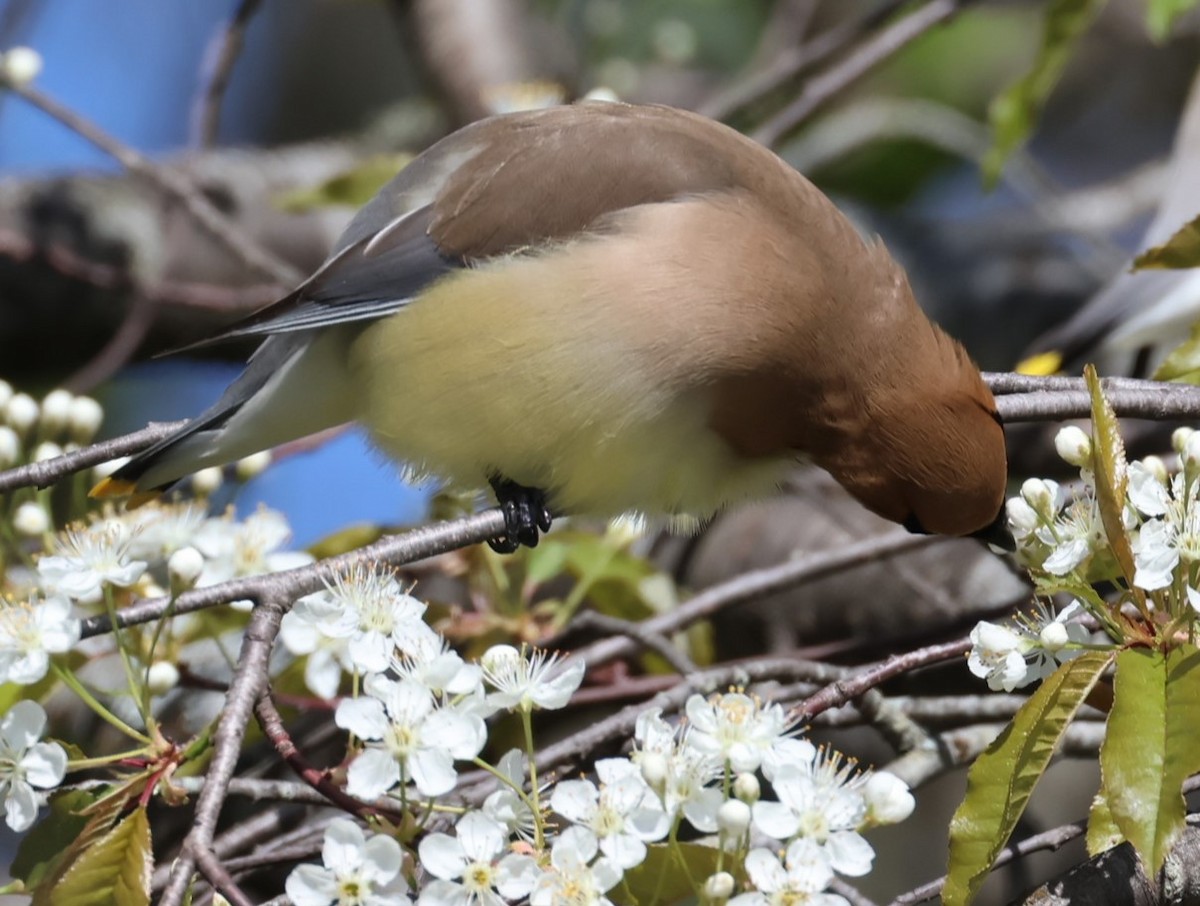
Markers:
point(662, 879)
point(350, 188)
point(47, 843)
point(1102, 831)
point(1015, 110)
point(1182, 250)
point(100, 813)
point(1161, 15)
point(1149, 748)
point(113, 871)
point(1183, 364)
point(1111, 471)
point(1002, 779)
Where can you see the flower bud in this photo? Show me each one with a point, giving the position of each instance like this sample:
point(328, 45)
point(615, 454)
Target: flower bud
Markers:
point(747, 788)
point(1191, 451)
point(84, 419)
point(184, 567)
point(6, 393)
point(1074, 446)
point(21, 412)
point(47, 450)
point(718, 888)
point(499, 658)
point(10, 447)
point(162, 677)
point(1053, 636)
point(733, 817)
point(1157, 468)
point(1022, 518)
point(252, 465)
point(1179, 439)
point(206, 481)
point(1041, 495)
point(654, 770)
point(56, 405)
point(21, 65)
point(888, 798)
point(31, 520)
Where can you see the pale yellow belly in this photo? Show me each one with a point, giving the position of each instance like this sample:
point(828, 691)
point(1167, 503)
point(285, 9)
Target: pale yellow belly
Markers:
point(492, 373)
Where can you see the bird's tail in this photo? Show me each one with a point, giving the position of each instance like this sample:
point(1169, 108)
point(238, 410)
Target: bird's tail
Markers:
point(294, 385)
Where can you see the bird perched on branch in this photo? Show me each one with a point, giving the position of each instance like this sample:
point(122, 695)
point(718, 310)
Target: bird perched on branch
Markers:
point(606, 308)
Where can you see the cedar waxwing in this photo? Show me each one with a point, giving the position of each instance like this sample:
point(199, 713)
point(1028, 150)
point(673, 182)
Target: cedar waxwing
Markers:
point(608, 308)
point(1131, 324)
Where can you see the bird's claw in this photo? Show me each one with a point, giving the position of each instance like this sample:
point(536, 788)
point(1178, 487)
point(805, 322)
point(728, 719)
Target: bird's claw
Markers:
point(525, 515)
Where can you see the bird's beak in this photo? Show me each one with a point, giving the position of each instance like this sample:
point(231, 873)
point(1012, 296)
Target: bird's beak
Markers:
point(997, 534)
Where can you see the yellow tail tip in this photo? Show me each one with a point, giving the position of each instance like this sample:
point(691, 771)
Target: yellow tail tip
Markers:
point(1042, 364)
point(112, 487)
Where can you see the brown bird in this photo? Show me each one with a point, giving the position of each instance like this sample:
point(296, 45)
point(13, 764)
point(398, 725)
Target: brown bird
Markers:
point(607, 308)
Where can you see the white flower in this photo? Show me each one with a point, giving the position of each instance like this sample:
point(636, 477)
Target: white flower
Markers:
point(411, 739)
point(799, 883)
point(184, 567)
point(1074, 536)
point(822, 803)
point(157, 531)
point(523, 679)
point(740, 730)
point(248, 548)
point(505, 806)
point(622, 812)
point(571, 880)
point(888, 798)
point(30, 632)
point(1056, 638)
point(21, 412)
point(1147, 492)
point(26, 763)
point(427, 658)
point(84, 417)
point(677, 772)
point(998, 655)
point(10, 446)
point(733, 818)
point(472, 867)
point(1042, 495)
point(85, 560)
point(357, 871)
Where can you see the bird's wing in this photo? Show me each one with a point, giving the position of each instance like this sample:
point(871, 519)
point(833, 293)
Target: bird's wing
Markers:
point(502, 186)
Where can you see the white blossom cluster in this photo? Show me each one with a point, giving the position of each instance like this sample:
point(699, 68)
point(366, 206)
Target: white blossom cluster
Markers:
point(1061, 539)
point(426, 712)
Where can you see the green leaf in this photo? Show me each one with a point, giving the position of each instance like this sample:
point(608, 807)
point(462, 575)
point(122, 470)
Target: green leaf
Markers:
point(1002, 779)
point(1161, 15)
point(662, 878)
point(100, 811)
point(114, 871)
point(1014, 112)
point(1150, 747)
point(1111, 471)
point(1183, 364)
point(350, 188)
point(1102, 831)
point(1180, 251)
point(44, 847)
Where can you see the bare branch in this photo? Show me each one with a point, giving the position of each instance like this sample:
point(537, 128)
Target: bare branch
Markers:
point(219, 60)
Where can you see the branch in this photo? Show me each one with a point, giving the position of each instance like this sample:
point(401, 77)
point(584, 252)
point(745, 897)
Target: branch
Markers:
point(171, 183)
point(869, 54)
point(222, 53)
point(1024, 398)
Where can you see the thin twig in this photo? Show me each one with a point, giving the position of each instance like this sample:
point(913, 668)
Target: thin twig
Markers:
point(249, 681)
point(120, 348)
point(751, 586)
point(636, 631)
point(170, 182)
point(219, 58)
point(870, 53)
point(427, 541)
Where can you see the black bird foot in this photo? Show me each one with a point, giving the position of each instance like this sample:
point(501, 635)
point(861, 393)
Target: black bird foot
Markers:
point(525, 513)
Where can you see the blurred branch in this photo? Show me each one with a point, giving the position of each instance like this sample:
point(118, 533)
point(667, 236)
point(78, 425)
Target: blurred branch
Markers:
point(219, 59)
point(171, 183)
point(868, 54)
point(119, 349)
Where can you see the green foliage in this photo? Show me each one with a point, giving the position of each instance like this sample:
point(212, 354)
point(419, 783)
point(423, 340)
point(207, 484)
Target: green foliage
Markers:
point(43, 848)
point(1183, 364)
point(113, 871)
point(1015, 111)
point(1002, 779)
point(1182, 250)
point(1161, 15)
point(351, 188)
point(98, 810)
point(1111, 471)
point(664, 877)
point(1150, 749)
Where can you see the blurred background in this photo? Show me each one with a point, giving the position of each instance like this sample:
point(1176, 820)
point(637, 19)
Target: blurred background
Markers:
point(286, 114)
